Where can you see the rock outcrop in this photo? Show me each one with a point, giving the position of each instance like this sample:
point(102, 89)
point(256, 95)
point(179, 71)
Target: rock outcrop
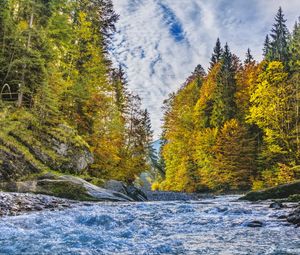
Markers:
point(27, 149)
point(129, 190)
point(279, 192)
point(67, 186)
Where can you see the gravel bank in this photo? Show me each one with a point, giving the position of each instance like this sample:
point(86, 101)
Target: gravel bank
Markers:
point(18, 203)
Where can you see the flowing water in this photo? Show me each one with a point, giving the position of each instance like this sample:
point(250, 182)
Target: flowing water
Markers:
point(210, 226)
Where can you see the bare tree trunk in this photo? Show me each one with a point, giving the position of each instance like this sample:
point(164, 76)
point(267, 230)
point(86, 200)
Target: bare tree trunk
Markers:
point(21, 86)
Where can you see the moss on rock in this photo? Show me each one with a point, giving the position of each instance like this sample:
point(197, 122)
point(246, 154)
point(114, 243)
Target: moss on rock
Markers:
point(63, 189)
point(29, 146)
point(278, 192)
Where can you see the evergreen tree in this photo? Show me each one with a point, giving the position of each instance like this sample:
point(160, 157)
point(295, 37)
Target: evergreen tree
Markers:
point(279, 35)
point(294, 48)
point(197, 75)
point(119, 83)
point(224, 106)
point(249, 58)
point(217, 53)
point(267, 47)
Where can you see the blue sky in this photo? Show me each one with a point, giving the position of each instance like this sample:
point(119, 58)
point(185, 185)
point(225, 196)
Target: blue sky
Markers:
point(159, 42)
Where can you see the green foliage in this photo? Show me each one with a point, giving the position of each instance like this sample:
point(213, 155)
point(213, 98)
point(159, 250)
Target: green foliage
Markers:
point(53, 56)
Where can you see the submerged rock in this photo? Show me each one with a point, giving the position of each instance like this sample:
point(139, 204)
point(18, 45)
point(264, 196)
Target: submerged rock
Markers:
point(276, 205)
point(254, 224)
point(281, 191)
point(67, 186)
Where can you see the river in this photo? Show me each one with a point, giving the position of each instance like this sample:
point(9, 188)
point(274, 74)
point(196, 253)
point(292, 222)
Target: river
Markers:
point(209, 226)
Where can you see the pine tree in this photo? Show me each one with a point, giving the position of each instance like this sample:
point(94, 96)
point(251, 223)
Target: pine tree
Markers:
point(217, 53)
point(279, 35)
point(267, 46)
point(249, 58)
point(224, 106)
point(119, 82)
point(197, 75)
point(294, 48)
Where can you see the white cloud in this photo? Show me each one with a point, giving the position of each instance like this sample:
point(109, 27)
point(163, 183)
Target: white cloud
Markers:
point(161, 41)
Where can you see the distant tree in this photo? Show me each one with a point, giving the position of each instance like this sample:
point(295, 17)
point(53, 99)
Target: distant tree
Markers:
point(267, 47)
point(197, 75)
point(249, 58)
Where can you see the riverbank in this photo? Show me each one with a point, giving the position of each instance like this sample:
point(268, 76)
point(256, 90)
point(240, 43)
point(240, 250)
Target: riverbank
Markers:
point(12, 204)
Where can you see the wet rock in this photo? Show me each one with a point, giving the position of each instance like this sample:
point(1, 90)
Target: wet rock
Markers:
point(281, 191)
point(254, 224)
point(276, 205)
point(282, 217)
point(129, 190)
point(294, 217)
point(136, 194)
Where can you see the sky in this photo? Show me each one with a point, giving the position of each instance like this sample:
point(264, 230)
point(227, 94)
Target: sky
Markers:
point(160, 42)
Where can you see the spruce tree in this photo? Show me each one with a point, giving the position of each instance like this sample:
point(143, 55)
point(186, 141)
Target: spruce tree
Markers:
point(224, 106)
point(217, 53)
point(249, 58)
point(279, 35)
point(294, 48)
point(266, 49)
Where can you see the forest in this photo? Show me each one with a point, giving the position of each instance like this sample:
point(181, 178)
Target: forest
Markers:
point(236, 127)
point(57, 81)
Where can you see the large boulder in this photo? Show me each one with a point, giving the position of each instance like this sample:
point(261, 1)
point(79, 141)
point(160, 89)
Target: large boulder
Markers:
point(278, 192)
point(129, 190)
point(65, 187)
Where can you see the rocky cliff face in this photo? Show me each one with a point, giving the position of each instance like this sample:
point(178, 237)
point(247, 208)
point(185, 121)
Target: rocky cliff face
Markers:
point(27, 148)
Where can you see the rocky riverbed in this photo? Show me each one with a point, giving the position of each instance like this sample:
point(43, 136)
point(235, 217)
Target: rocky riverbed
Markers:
point(12, 204)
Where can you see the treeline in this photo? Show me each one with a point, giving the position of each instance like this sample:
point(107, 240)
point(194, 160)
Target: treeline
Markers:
point(236, 127)
point(53, 58)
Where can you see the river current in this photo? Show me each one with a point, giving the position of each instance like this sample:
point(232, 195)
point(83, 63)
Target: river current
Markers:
point(209, 226)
